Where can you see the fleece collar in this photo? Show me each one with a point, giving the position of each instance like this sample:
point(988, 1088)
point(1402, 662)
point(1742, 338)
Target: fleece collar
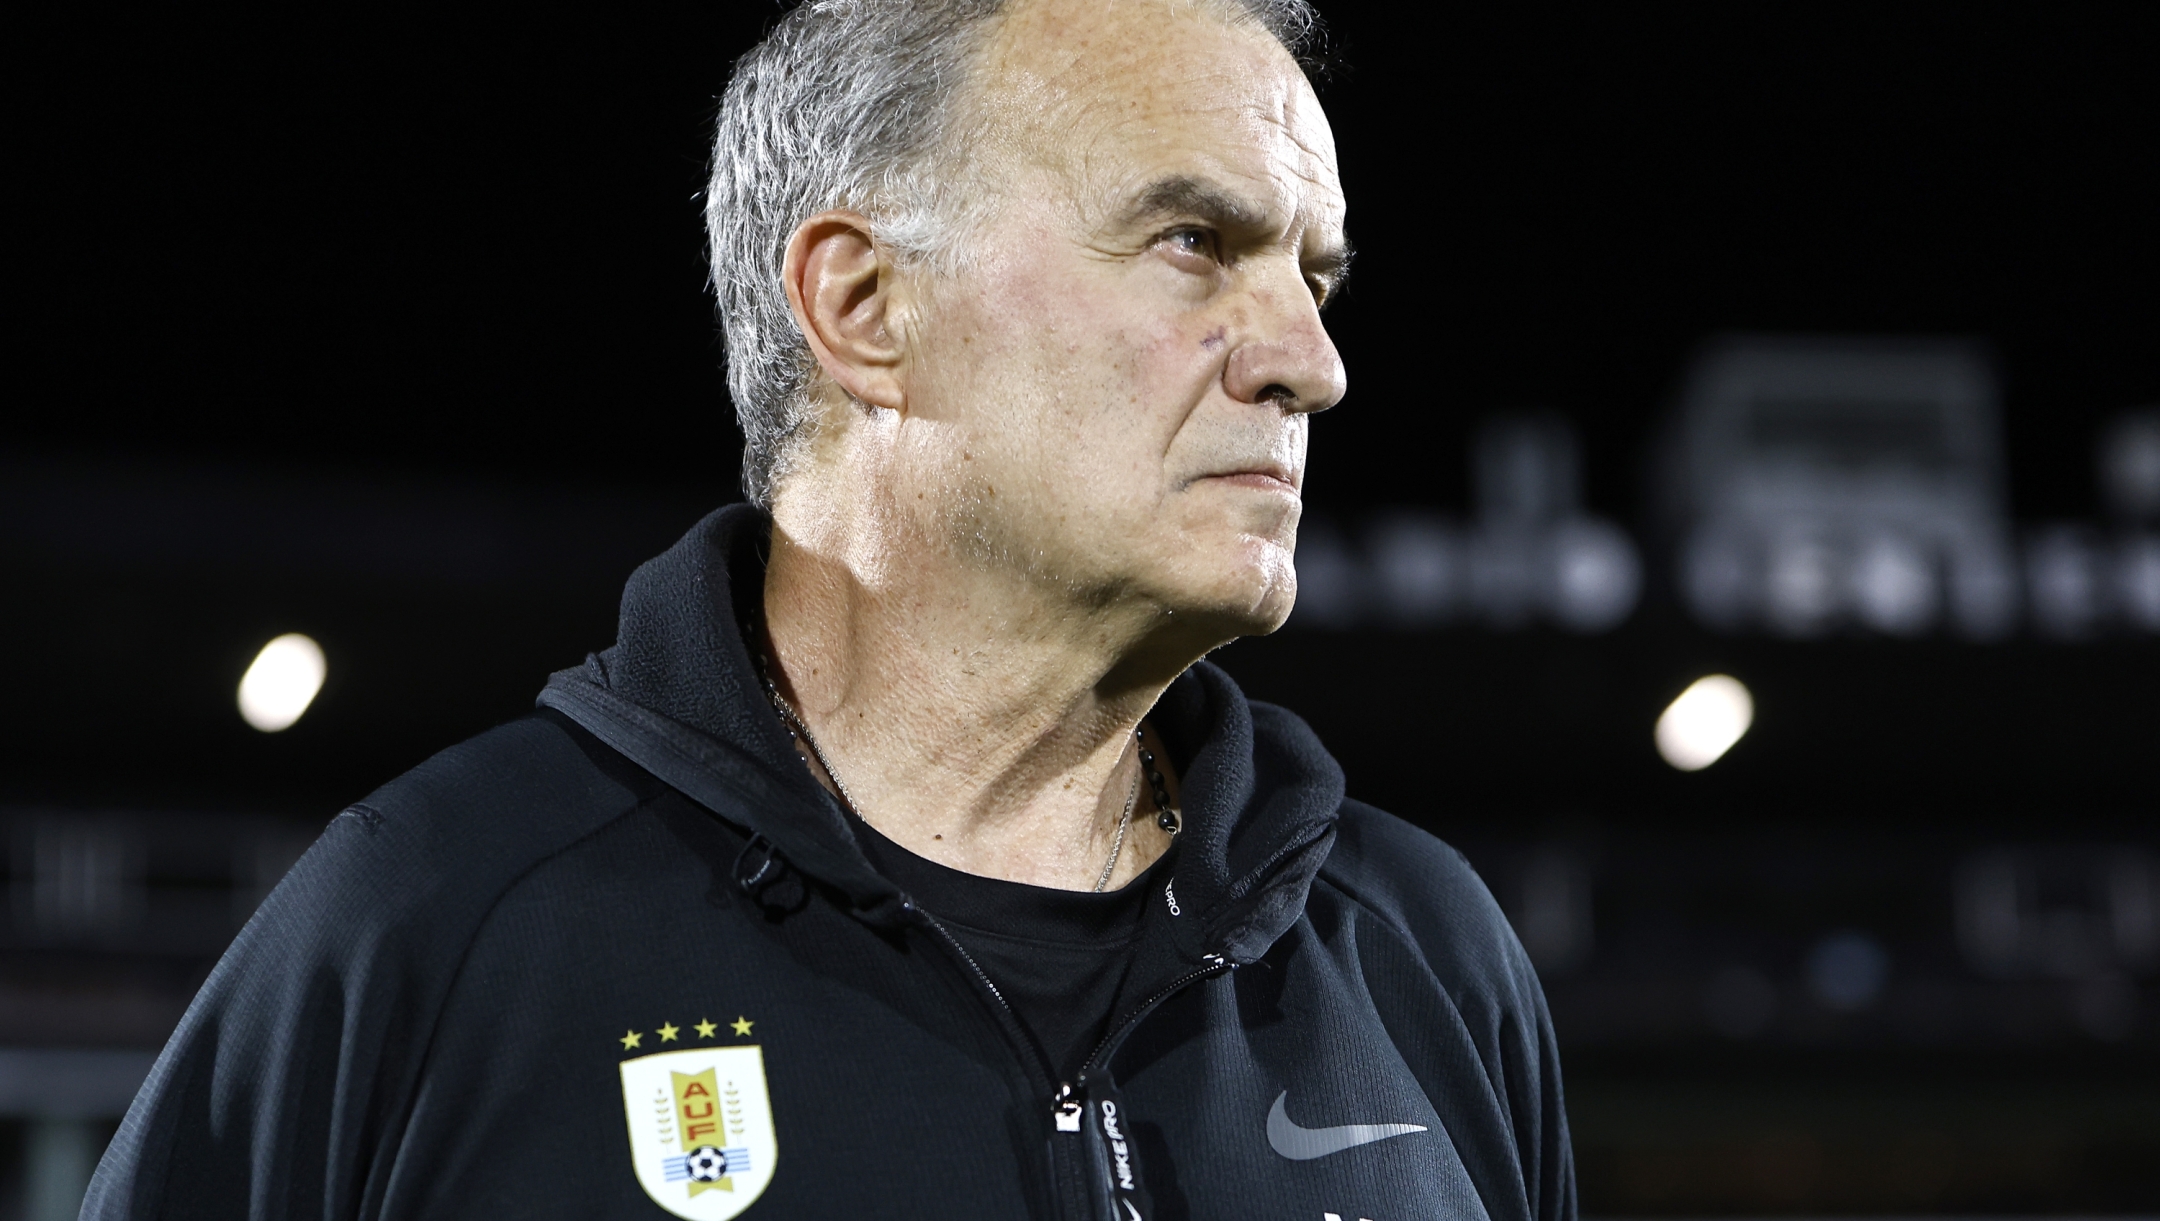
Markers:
point(679, 695)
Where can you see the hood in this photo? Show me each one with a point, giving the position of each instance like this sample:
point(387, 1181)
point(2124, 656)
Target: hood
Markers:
point(679, 695)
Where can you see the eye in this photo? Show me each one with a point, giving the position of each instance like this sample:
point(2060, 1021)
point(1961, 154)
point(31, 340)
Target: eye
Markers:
point(1192, 242)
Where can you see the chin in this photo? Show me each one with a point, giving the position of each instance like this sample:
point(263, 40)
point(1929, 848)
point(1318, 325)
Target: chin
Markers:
point(1272, 611)
point(1246, 590)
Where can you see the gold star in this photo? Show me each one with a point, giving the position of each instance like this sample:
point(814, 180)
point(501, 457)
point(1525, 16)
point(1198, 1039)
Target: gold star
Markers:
point(668, 1031)
point(706, 1030)
point(631, 1040)
point(742, 1025)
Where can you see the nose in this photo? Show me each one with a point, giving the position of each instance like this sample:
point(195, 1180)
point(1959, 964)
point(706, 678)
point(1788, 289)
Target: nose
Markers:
point(1287, 357)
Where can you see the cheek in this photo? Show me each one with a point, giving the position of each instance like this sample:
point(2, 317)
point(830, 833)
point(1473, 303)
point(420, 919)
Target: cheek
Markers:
point(1145, 379)
point(1064, 376)
point(1081, 389)
point(1128, 393)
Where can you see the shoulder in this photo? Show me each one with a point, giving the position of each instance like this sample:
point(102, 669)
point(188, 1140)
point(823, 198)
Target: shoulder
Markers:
point(1403, 872)
point(525, 788)
point(1428, 893)
point(432, 849)
point(303, 1045)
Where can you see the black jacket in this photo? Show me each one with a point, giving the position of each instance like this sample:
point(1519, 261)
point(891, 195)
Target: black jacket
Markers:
point(433, 1015)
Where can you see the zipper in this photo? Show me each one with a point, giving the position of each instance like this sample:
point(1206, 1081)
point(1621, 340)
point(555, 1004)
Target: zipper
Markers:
point(1066, 1104)
point(1014, 1029)
point(1066, 1111)
point(1110, 1163)
point(1066, 1171)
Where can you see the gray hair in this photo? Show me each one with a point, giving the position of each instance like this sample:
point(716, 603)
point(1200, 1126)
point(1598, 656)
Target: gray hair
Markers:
point(845, 104)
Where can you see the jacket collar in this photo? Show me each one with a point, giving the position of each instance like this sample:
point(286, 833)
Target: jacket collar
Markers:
point(679, 695)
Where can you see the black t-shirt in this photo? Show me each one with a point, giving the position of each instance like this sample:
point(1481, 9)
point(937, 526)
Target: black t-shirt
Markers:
point(1058, 956)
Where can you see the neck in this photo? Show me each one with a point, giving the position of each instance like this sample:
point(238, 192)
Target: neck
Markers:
point(969, 715)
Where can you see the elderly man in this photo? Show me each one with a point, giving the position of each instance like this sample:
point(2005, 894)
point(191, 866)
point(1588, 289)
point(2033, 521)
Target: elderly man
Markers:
point(902, 857)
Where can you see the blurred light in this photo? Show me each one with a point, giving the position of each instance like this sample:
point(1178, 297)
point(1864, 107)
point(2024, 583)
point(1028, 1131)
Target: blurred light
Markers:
point(1716, 579)
point(1418, 569)
point(1847, 971)
point(1894, 586)
point(1506, 567)
point(282, 682)
point(2067, 589)
point(1596, 575)
point(1983, 589)
point(1802, 587)
point(1704, 722)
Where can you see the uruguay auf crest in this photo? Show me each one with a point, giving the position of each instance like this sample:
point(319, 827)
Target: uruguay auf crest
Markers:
point(701, 1131)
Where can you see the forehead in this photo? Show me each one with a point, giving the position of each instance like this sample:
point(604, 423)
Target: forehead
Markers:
point(1108, 95)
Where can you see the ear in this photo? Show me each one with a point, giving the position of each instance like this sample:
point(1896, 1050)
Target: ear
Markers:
point(842, 289)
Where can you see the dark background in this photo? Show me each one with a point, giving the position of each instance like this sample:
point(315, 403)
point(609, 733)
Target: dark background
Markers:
point(391, 329)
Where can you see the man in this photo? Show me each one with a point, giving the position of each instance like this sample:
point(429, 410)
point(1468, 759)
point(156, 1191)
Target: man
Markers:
point(902, 858)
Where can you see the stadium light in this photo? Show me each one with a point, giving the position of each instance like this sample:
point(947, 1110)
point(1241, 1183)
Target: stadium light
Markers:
point(1700, 726)
point(282, 682)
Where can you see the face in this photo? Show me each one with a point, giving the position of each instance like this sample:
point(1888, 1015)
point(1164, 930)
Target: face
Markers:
point(1112, 393)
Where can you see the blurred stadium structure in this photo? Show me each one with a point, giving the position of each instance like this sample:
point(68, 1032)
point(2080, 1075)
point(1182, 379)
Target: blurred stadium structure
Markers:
point(1816, 483)
point(2085, 577)
point(1926, 955)
point(113, 920)
point(1808, 487)
point(1531, 555)
point(1968, 982)
point(119, 902)
point(413, 356)
point(1952, 1015)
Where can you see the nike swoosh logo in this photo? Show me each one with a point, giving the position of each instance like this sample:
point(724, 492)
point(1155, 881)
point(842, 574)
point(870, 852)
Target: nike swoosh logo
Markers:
point(1304, 1144)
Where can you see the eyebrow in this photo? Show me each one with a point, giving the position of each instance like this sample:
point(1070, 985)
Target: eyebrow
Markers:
point(1184, 195)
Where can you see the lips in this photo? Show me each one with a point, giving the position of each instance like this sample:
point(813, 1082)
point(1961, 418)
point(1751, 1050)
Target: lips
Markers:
point(1265, 475)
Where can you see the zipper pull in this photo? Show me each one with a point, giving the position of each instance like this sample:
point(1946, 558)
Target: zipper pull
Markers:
point(1065, 1109)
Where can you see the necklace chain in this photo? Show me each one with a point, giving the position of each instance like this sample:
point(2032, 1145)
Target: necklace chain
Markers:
point(1117, 846)
point(1166, 816)
point(797, 727)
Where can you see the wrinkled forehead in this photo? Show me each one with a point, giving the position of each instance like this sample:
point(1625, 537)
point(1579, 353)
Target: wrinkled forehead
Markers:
point(1105, 97)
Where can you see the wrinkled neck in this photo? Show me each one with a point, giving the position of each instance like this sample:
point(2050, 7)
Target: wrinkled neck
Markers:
point(971, 714)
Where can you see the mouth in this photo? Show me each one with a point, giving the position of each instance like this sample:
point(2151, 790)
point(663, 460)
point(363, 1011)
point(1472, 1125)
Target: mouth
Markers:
point(1262, 478)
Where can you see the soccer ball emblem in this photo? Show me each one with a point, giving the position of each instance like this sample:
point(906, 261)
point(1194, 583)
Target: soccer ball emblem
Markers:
point(706, 1164)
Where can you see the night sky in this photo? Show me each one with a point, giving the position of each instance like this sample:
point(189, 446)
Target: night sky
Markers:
point(283, 248)
point(458, 242)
